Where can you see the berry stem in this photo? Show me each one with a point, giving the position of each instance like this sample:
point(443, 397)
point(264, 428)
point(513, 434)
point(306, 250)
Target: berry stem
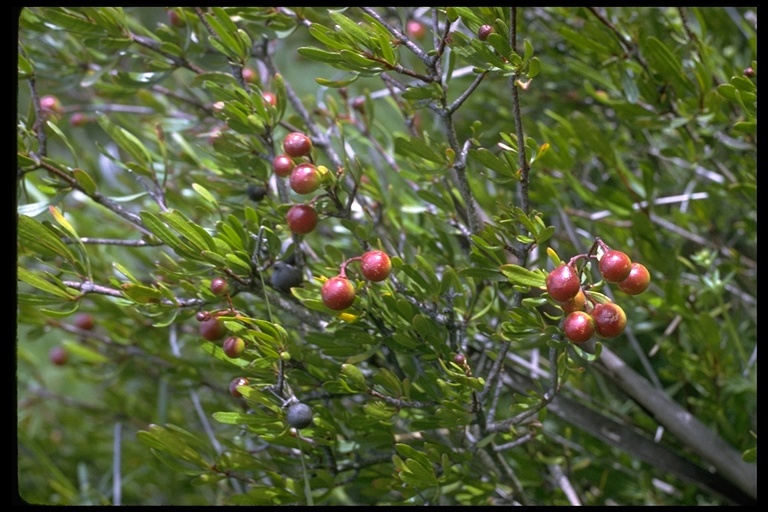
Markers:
point(343, 267)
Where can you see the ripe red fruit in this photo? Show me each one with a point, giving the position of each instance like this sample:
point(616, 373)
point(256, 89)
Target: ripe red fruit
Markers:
point(575, 303)
point(237, 381)
point(175, 19)
point(578, 326)
point(78, 119)
point(297, 144)
point(301, 219)
point(563, 283)
point(249, 75)
point(269, 97)
point(212, 329)
point(58, 355)
point(376, 265)
point(338, 293)
point(282, 165)
point(610, 319)
point(637, 281)
point(219, 286)
point(484, 31)
point(416, 29)
point(614, 266)
point(305, 179)
point(84, 321)
point(233, 346)
point(50, 104)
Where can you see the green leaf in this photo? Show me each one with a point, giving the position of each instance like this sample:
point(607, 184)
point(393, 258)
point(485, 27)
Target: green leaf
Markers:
point(522, 276)
point(666, 64)
point(35, 236)
point(319, 55)
point(166, 441)
point(38, 282)
point(127, 141)
point(418, 148)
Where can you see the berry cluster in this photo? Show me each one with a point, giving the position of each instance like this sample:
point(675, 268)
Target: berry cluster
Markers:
point(338, 293)
point(304, 178)
point(586, 316)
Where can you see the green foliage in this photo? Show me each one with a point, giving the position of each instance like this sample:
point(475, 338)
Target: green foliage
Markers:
point(477, 166)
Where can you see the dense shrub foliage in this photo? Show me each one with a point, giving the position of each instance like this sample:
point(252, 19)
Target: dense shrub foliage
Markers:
point(437, 164)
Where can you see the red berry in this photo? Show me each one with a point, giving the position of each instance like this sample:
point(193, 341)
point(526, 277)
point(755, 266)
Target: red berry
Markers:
point(749, 72)
point(282, 165)
point(297, 144)
point(78, 119)
point(50, 104)
point(269, 97)
point(58, 355)
point(249, 75)
point(610, 319)
point(175, 19)
point(575, 303)
point(563, 283)
point(376, 265)
point(301, 219)
point(579, 326)
point(637, 281)
point(219, 286)
point(614, 266)
point(84, 321)
point(338, 293)
point(237, 381)
point(233, 346)
point(484, 31)
point(212, 329)
point(415, 29)
point(305, 179)
point(460, 359)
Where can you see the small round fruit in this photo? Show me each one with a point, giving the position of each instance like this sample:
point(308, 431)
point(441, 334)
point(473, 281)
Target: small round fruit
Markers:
point(237, 381)
point(749, 72)
point(282, 165)
point(84, 321)
point(299, 415)
point(301, 219)
point(376, 265)
point(256, 192)
point(460, 359)
point(233, 346)
point(249, 75)
point(338, 293)
point(578, 326)
point(484, 31)
point(219, 286)
point(202, 316)
point(575, 303)
point(212, 329)
point(175, 19)
point(50, 104)
point(610, 319)
point(614, 266)
point(416, 29)
point(270, 98)
point(637, 281)
point(78, 119)
point(58, 355)
point(297, 144)
point(305, 179)
point(563, 283)
point(285, 276)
